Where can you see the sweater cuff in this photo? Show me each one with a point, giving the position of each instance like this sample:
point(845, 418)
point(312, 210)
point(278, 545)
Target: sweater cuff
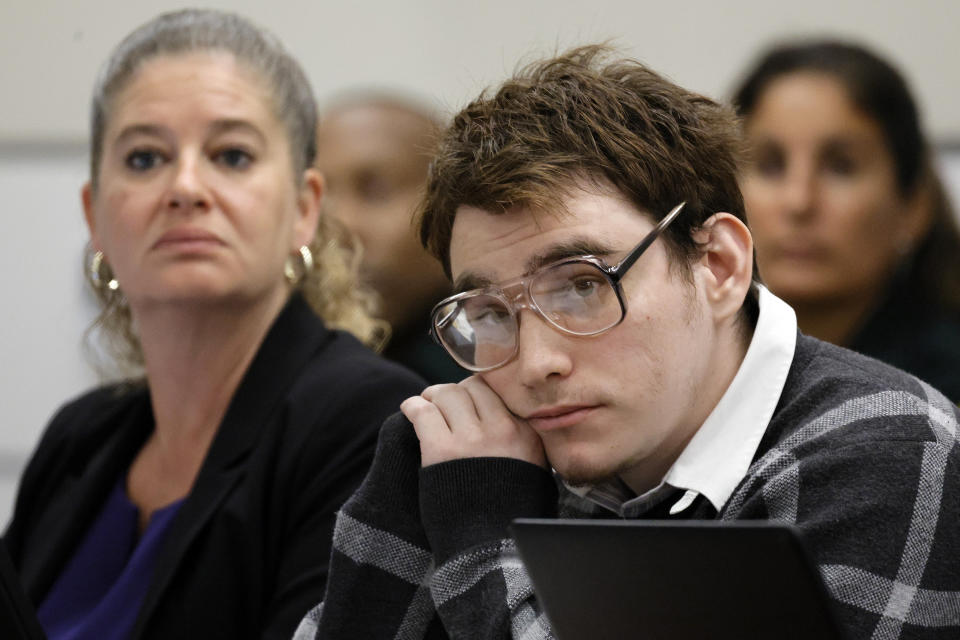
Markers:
point(471, 501)
point(390, 489)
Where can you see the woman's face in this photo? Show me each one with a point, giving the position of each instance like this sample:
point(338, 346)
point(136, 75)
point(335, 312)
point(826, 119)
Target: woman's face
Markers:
point(197, 200)
point(821, 194)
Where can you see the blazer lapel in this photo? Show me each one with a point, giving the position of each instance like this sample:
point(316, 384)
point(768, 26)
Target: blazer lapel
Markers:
point(78, 503)
point(287, 348)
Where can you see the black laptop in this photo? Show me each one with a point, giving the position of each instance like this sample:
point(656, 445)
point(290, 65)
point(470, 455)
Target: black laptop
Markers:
point(18, 621)
point(673, 580)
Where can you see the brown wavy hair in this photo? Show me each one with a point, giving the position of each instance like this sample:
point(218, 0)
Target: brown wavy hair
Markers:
point(587, 114)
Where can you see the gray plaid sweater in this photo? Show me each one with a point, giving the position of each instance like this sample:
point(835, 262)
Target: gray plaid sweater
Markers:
point(861, 456)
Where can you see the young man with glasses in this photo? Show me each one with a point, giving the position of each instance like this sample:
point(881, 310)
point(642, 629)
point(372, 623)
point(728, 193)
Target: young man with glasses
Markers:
point(628, 364)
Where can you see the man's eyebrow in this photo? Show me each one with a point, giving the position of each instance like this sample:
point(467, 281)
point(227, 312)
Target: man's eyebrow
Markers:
point(574, 248)
point(468, 281)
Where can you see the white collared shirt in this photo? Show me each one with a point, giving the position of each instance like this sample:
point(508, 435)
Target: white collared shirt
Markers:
point(720, 452)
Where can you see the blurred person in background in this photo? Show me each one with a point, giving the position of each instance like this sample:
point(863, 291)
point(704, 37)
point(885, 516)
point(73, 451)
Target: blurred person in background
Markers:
point(374, 153)
point(197, 499)
point(852, 225)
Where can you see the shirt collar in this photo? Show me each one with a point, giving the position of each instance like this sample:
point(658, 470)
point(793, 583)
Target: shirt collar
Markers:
point(720, 452)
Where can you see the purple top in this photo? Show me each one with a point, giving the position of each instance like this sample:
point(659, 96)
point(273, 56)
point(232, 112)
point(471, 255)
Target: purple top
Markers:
point(101, 588)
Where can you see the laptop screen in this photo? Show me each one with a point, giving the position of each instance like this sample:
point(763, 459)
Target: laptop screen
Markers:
point(674, 579)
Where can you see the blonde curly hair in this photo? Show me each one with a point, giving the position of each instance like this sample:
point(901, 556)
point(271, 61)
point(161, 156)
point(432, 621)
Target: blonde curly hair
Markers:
point(334, 290)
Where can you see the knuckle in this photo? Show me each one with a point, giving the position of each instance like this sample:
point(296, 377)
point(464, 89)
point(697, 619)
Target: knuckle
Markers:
point(417, 409)
point(434, 391)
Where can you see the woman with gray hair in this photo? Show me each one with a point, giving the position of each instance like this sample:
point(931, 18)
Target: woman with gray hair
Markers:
point(197, 498)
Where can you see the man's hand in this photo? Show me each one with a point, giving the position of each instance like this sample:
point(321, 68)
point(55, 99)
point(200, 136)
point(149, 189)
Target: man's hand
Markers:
point(469, 420)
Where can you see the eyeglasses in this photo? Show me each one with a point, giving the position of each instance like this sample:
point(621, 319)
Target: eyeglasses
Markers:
point(577, 296)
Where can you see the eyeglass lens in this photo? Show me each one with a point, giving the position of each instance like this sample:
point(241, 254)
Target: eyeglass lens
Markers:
point(481, 331)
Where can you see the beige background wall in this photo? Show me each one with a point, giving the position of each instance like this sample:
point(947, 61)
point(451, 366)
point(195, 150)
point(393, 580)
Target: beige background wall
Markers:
point(51, 49)
point(443, 51)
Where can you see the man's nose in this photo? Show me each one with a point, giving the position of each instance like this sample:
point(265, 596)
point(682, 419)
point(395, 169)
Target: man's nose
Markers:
point(543, 353)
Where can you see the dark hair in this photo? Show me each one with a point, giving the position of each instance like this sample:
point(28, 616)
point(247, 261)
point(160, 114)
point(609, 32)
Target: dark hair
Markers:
point(878, 90)
point(935, 268)
point(874, 86)
point(582, 116)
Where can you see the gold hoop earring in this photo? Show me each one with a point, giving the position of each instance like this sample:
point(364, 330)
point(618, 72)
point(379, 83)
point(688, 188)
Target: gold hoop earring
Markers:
point(293, 273)
point(101, 275)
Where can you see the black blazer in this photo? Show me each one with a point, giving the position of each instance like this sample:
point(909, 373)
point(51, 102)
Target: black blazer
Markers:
point(247, 553)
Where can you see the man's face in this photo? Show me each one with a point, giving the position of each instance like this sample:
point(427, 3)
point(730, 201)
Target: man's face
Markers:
point(374, 159)
point(624, 402)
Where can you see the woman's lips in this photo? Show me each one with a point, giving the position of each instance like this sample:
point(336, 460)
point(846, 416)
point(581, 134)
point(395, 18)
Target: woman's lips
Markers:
point(559, 417)
point(187, 238)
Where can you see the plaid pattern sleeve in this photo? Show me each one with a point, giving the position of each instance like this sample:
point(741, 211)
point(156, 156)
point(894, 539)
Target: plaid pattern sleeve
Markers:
point(380, 563)
point(415, 551)
point(480, 588)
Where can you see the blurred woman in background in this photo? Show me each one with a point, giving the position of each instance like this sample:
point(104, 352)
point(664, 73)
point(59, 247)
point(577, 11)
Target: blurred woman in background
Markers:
point(200, 501)
point(851, 224)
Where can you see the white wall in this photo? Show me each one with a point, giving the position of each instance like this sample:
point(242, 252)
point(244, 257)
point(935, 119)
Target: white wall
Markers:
point(51, 49)
point(45, 306)
point(949, 165)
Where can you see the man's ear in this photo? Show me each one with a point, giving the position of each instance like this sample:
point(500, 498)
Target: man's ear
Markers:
point(308, 208)
point(726, 266)
point(86, 198)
